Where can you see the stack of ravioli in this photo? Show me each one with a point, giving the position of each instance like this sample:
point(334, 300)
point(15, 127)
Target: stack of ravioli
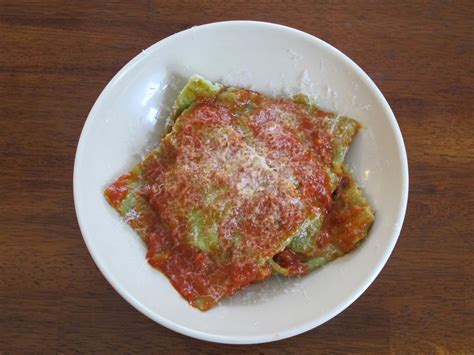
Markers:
point(241, 187)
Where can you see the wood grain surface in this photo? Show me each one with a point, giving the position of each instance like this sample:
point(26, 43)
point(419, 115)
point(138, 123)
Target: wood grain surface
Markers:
point(56, 57)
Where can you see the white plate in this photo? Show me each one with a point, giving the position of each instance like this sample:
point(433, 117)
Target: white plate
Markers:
point(128, 117)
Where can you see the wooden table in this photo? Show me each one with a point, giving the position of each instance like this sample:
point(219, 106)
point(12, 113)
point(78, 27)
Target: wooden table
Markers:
point(55, 58)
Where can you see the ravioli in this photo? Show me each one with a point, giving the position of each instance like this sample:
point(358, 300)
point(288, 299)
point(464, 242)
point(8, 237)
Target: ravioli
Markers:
point(297, 139)
point(242, 186)
point(211, 210)
point(345, 226)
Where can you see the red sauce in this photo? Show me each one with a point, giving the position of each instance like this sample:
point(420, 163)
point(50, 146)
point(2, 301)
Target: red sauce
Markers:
point(116, 192)
point(292, 262)
point(282, 142)
point(263, 221)
point(196, 275)
point(317, 137)
point(342, 229)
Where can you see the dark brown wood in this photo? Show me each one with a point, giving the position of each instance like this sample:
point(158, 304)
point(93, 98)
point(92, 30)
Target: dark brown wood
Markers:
point(56, 57)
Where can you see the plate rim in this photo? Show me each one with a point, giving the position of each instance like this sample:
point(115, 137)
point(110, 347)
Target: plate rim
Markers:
point(293, 330)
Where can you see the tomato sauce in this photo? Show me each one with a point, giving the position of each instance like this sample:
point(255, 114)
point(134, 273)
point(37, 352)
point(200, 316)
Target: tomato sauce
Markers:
point(197, 276)
point(344, 226)
point(292, 261)
point(207, 149)
point(116, 192)
point(293, 143)
point(254, 203)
